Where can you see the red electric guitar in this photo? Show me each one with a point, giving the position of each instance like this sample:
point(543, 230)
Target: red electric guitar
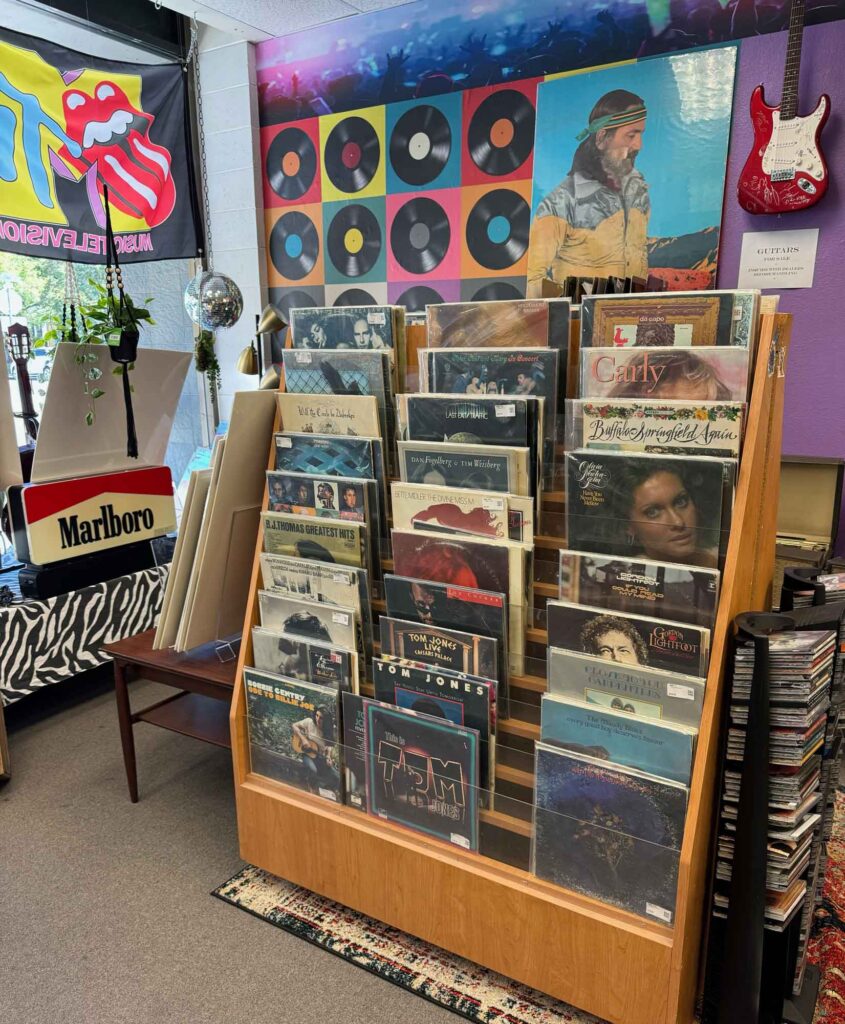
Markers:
point(786, 169)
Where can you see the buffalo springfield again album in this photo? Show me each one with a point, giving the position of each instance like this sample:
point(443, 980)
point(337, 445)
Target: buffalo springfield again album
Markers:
point(638, 586)
point(608, 832)
point(634, 689)
point(671, 428)
point(422, 772)
point(664, 508)
point(293, 731)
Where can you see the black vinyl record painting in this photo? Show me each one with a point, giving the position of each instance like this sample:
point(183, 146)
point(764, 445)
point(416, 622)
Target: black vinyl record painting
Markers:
point(497, 229)
point(352, 154)
point(355, 297)
point(420, 235)
point(294, 245)
point(420, 144)
point(291, 163)
point(497, 291)
point(417, 297)
point(296, 298)
point(354, 240)
point(501, 133)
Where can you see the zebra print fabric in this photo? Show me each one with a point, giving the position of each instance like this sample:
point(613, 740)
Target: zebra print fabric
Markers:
point(43, 642)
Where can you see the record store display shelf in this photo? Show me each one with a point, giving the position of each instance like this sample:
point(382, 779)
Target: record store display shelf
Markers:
point(487, 907)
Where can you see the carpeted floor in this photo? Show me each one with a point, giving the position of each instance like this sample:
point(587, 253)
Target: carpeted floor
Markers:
point(105, 912)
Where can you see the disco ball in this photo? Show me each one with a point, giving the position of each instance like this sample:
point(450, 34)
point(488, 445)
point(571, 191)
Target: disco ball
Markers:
point(213, 300)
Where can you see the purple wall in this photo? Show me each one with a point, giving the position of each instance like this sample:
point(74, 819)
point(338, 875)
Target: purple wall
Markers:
point(814, 419)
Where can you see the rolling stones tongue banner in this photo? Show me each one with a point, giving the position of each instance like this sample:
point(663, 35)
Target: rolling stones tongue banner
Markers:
point(71, 124)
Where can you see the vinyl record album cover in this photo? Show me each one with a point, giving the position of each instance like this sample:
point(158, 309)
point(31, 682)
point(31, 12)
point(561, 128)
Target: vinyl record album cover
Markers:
point(473, 420)
point(327, 623)
point(444, 604)
point(461, 562)
point(665, 508)
point(647, 692)
point(607, 832)
point(344, 327)
point(322, 581)
point(347, 414)
point(670, 428)
point(441, 694)
point(439, 645)
point(422, 772)
point(326, 497)
point(650, 745)
point(328, 454)
point(475, 467)
point(702, 374)
point(310, 538)
point(293, 732)
point(638, 586)
point(526, 323)
point(296, 657)
point(669, 318)
point(454, 510)
point(629, 639)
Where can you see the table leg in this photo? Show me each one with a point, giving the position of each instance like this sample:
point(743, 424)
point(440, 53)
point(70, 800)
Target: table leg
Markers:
point(124, 717)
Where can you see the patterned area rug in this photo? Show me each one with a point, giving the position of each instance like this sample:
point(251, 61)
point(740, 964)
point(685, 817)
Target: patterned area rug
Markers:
point(472, 991)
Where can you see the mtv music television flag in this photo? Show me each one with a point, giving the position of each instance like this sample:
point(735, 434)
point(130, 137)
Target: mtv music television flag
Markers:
point(71, 124)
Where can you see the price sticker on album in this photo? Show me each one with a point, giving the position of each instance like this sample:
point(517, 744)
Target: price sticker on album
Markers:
point(504, 412)
point(460, 840)
point(661, 913)
point(493, 504)
point(327, 794)
point(339, 577)
point(284, 442)
point(376, 317)
point(301, 357)
point(678, 690)
point(341, 618)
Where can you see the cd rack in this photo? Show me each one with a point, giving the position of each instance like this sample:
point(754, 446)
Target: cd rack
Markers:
point(601, 959)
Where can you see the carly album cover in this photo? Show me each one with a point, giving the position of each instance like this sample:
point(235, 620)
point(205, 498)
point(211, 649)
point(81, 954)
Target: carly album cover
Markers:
point(702, 374)
point(293, 732)
point(628, 639)
point(639, 586)
point(608, 832)
point(664, 508)
point(422, 772)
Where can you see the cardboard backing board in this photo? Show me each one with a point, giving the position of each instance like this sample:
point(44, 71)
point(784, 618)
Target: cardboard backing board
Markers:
point(183, 559)
point(222, 572)
point(810, 498)
point(68, 447)
point(10, 462)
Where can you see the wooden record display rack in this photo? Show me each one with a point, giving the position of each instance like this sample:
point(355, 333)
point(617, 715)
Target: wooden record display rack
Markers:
point(601, 959)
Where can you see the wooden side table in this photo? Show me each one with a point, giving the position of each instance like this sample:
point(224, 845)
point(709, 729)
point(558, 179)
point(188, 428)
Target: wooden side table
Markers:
point(200, 708)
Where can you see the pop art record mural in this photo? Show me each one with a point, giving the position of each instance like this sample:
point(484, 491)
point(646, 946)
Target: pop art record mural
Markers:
point(412, 202)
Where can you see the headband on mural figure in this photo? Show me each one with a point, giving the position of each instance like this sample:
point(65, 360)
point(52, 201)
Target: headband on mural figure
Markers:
point(612, 121)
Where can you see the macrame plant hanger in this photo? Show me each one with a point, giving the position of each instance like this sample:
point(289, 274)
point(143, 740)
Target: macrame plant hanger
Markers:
point(126, 351)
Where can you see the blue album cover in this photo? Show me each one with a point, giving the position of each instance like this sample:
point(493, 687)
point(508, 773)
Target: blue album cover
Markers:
point(608, 833)
point(329, 455)
point(422, 772)
point(646, 744)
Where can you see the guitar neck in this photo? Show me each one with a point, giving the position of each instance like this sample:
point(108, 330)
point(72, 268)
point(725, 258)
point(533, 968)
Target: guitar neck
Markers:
point(789, 96)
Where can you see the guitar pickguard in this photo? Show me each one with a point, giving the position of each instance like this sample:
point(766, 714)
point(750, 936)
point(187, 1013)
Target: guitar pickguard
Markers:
point(791, 153)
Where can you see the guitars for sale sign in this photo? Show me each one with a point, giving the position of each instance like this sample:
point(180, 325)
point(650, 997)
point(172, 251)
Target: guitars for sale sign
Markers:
point(70, 125)
point(76, 517)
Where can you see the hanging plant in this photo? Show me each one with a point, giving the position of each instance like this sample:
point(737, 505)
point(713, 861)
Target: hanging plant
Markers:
point(205, 360)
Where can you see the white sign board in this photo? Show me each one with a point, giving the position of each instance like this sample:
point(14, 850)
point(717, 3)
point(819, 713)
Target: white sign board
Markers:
point(778, 259)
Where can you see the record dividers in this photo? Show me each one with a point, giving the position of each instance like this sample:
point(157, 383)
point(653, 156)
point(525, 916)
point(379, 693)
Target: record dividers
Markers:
point(602, 959)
